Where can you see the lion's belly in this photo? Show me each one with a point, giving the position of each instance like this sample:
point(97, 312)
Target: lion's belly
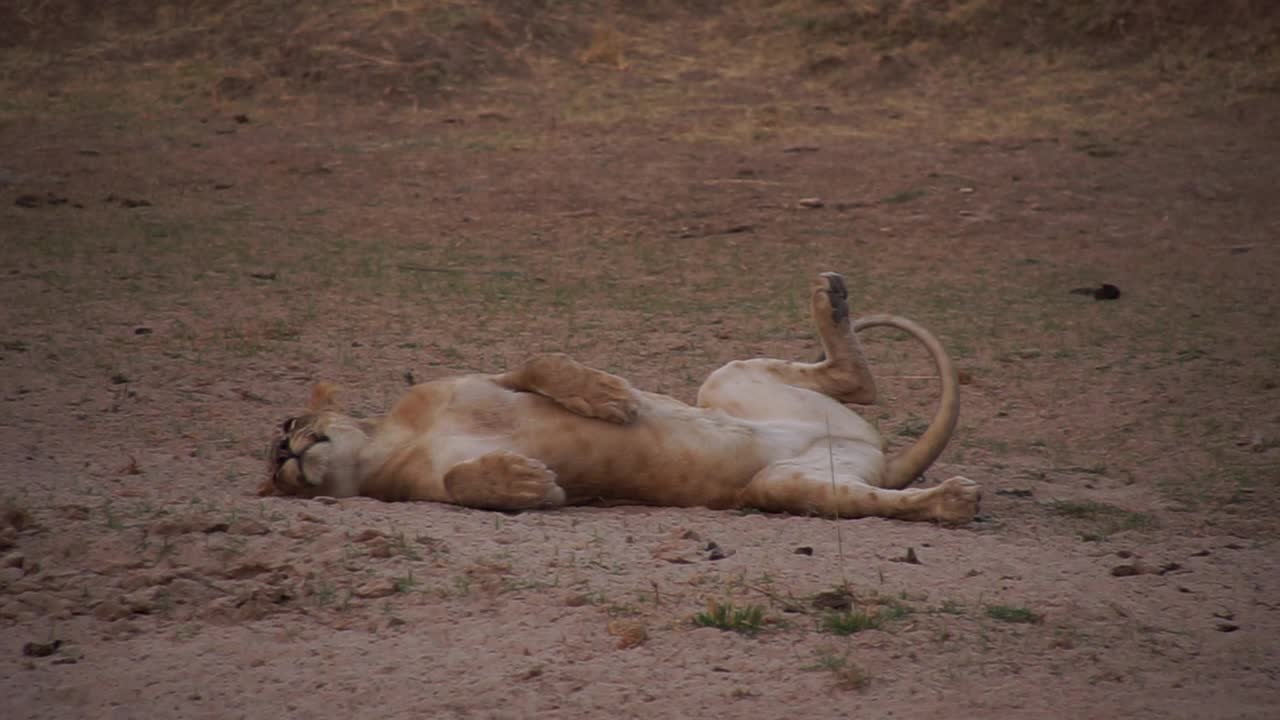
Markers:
point(672, 454)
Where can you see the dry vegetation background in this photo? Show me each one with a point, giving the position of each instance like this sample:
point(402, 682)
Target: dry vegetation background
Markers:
point(205, 206)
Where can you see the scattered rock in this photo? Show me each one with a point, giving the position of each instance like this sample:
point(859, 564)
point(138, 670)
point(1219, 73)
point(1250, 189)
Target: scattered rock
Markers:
point(964, 377)
point(1105, 291)
point(39, 649)
point(248, 526)
point(125, 202)
point(682, 546)
point(1226, 627)
point(380, 588)
point(671, 555)
point(302, 532)
point(186, 524)
point(110, 611)
point(715, 552)
point(804, 550)
point(139, 580)
point(142, 601)
point(630, 633)
point(8, 538)
point(1015, 492)
point(366, 535)
point(1255, 442)
point(1126, 570)
point(909, 558)
point(810, 202)
point(245, 570)
point(13, 516)
point(75, 512)
point(263, 275)
point(800, 149)
point(234, 87)
point(13, 560)
point(130, 468)
point(241, 119)
point(28, 200)
point(838, 599)
point(325, 500)
point(577, 600)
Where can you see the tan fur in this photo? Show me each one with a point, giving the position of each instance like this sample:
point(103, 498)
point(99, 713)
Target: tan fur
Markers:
point(767, 434)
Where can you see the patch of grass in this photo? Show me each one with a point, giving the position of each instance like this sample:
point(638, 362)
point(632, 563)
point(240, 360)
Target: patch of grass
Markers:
point(950, 607)
point(1086, 510)
point(406, 583)
point(112, 520)
point(847, 675)
point(914, 427)
point(849, 622)
point(905, 196)
point(324, 593)
point(747, 620)
point(1109, 518)
point(1012, 614)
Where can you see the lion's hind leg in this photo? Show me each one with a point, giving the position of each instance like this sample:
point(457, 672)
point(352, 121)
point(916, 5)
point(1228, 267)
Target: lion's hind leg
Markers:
point(503, 480)
point(580, 389)
point(804, 486)
point(843, 374)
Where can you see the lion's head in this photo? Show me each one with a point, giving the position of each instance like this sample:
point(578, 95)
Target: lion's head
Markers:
point(314, 453)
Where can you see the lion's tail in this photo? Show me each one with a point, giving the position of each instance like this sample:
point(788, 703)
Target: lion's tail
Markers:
point(904, 467)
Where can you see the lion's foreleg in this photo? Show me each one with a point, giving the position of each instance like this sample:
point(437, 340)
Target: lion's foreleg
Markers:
point(580, 389)
point(503, 480)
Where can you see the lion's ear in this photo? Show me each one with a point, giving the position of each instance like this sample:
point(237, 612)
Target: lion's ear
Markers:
point(324, 396)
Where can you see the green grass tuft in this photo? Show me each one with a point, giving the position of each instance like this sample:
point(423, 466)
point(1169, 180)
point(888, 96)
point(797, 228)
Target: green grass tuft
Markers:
point(1012, 614)
point(724, 616)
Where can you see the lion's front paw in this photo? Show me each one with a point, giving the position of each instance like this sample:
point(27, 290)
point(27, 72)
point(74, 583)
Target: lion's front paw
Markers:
point(504, 481)
point(529, 483)
point(609, 398)
point(957, 500)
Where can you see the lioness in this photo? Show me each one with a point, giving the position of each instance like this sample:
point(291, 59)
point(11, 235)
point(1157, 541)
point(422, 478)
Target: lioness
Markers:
point(766, 434)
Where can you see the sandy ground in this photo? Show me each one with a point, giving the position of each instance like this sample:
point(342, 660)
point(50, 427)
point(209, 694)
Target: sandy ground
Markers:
point(173, 278)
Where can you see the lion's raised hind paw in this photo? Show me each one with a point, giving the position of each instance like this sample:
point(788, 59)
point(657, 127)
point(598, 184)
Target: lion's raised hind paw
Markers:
point(831, 285)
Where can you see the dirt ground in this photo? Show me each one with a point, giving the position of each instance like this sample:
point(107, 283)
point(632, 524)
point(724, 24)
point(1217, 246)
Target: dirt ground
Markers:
point(183, 254)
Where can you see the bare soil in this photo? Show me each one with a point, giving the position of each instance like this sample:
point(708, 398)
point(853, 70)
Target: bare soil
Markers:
point(182, 255)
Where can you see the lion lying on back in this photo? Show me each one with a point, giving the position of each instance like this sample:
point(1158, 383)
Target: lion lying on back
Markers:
point(766, 434)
